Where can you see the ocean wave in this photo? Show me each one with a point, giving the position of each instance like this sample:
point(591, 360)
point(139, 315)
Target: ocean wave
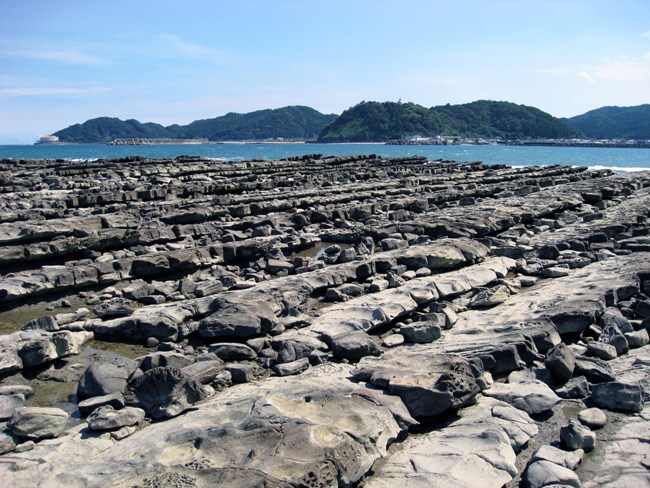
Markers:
point(618, 169)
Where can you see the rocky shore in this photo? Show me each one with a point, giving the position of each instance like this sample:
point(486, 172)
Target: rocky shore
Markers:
point(321, 322)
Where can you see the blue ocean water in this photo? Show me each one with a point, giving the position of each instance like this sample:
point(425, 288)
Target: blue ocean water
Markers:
point(617, 159)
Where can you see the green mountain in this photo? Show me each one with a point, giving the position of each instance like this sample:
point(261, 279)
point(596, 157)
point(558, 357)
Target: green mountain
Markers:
point(381, 121)
point(295, 122)
point(615, 122)
point(105, 129)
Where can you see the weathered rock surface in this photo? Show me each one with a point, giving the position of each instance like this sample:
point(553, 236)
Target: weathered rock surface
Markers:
point(38, 422)
point(466, 294)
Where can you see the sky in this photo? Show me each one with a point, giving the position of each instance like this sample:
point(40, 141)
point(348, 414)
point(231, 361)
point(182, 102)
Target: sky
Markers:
point(170, 61)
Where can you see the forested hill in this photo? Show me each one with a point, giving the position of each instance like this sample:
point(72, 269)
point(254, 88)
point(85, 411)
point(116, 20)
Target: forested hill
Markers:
point(382, 121)
point(295, 122)
point(615, 122)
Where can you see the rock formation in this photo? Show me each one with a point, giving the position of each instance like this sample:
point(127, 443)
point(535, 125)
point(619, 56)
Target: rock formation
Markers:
point(323, 321)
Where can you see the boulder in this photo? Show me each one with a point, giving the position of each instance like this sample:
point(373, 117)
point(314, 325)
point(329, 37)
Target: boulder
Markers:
point(490, 297)
point(353, 346)
point(115, 307)
point(87, 406)
point(602, 350)
point(204, 371)
point(168, 392)
point(568, 459)
point(103, 378)
point(593, 418)
point(595, 370)
point(560, 361)
point(577, 387)
point(38, 423)
point(232, 351)
point(238, 320)
point(421, 332)
point(428, 384)
point(7, 443)
point(108, 418)
point(9, 404)
point(574, 436)
point(547, 474)
point(533, 397)
point(291, 368)
point(166, 358)
point(618, 396)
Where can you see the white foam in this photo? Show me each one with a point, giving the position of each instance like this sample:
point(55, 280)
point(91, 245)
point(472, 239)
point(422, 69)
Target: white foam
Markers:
point(618, 169)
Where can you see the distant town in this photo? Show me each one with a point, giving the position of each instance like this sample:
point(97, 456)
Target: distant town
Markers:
point(456, 140)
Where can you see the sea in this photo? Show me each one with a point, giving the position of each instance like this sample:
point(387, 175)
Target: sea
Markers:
point(619, 160)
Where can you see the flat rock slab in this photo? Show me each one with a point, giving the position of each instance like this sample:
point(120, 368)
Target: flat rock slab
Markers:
point(476, 450)
point(532, 397)
point(428, 384)
point(316, 428)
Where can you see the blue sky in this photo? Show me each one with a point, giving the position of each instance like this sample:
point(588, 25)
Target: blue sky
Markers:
point(63, 62)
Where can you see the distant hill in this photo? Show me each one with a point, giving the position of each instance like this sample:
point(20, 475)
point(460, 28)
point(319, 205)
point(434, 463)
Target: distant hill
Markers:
point(105, 129)
point(382, 121)
point(295, 122)
point(615, 122)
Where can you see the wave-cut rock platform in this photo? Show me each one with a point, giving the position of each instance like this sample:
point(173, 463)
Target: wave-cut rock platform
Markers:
point(323, 322)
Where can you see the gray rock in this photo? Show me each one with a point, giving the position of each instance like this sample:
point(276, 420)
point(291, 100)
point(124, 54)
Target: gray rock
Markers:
point(638, 338)
point(546, 474)
point(595, 370)
point(291, 368)
point(574, 436)
point(428, 384)
point(577, 387)
point(490, 297)
point(421, 332)
point(24, 390)
point(115, 307)
point(560, 361)
point(618, 396)
point(44, 347)
point(568, 459)
point(393, 340)
point(612, 316)
point(204, 371)
point(104, 378)
point(232, 351)
point(613, 336)
point(353, 346)
point(87, 406)
point(594, 418)
point(532, 397)
point(38, 422)
point(244, 372)
point(108, 418)
point(168, 392)
point(46, 323)
point(9, 404)
point(238, 320)
point(602, 350)
point(7, 443)
point(163, 359)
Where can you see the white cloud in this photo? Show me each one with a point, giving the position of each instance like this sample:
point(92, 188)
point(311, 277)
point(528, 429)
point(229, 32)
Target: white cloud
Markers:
point(646, 34)
point(196, 50)
point(626, 69)
point(68, 57)
point(48, 91)
point(623, 69)
point(583, 75)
